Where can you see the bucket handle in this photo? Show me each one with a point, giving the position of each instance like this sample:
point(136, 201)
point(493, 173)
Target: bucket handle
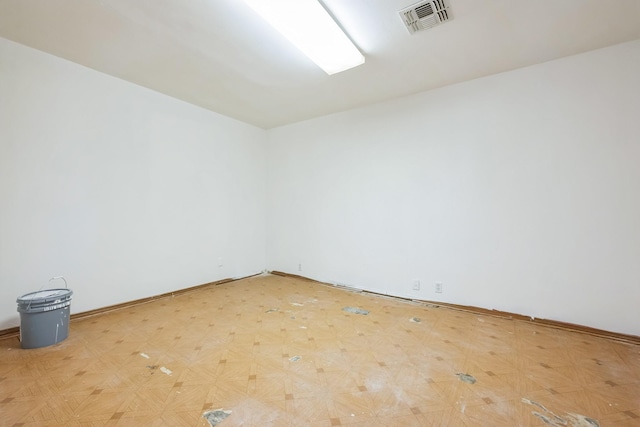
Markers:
point(53, 278)
point(60, 277)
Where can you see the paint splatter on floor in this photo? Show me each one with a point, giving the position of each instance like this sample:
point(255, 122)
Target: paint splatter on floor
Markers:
point(356, 310)
point(572, 419)
point(466, 378)
point(531, 402)
point(552, 420)
point(578, 420)
point(415, 320)
point(216, 417)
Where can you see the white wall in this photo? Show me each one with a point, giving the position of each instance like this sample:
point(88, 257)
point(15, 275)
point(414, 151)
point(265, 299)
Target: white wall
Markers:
point(519, 192)
point(126, 192)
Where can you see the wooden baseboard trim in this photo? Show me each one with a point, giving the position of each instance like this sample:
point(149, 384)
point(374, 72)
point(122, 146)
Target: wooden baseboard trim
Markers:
point(10, 332)
point(615, 336)
point(294, 276)
point(146, 300)
point(15, 331)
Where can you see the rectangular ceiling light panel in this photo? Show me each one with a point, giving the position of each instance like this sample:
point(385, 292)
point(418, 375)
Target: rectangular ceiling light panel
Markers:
point(307, 25)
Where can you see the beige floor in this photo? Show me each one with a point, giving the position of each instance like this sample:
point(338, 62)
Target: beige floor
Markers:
point(234, 346)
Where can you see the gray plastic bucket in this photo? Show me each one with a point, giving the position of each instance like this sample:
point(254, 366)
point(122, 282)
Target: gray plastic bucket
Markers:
point(44, 317)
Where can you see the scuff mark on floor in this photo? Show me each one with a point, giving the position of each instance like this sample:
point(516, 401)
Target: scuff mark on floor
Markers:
point(295, 358)
point(531, 402)
point(554, 420)
point(469, 379)
point(165, 370)
point(152, 368)
point(415, 320)
point(216, 417)
point(582, 421)
point(356, 310)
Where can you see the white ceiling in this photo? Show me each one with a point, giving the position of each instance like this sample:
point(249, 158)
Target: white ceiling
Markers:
point(219, 55)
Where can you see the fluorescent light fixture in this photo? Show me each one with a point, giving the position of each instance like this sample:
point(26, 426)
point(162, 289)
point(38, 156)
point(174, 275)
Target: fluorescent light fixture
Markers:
point(307, 25)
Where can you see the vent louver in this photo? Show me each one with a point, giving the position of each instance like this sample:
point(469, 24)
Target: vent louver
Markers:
point(425, 15)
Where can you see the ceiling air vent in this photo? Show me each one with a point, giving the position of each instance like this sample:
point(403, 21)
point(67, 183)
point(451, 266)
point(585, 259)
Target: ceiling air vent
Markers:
point(425, 15)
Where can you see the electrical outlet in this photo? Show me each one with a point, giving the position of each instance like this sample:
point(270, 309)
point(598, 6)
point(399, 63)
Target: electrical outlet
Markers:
point(438, 288)
point(416, 285)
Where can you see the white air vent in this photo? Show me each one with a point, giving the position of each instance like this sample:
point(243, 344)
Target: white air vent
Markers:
point(425, 15)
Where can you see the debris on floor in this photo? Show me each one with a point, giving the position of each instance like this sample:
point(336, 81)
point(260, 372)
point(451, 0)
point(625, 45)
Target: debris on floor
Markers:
point(356, 310)
point(295, 358)
point(531, 402)
point(466, 378)
point(146, 356)
point(578, 420)
point(216, 417)
point(152, 368)
point(165, 370)
point(415, 320)
point(549, 418)
point(297, 304)
point(271, 310)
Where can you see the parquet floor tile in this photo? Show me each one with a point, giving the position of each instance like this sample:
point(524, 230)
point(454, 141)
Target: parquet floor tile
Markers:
point(282, 351)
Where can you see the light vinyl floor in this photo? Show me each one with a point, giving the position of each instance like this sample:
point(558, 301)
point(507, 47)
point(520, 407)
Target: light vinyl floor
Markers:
point(279, 351)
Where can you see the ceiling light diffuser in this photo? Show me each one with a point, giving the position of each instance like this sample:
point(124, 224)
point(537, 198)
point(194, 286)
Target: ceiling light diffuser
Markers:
point(307, 25)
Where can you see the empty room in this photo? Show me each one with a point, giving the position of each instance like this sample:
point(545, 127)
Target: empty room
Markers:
point(213, 213)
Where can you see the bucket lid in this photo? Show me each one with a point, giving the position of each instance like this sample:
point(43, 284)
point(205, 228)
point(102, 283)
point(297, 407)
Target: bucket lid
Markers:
point(48, 295)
